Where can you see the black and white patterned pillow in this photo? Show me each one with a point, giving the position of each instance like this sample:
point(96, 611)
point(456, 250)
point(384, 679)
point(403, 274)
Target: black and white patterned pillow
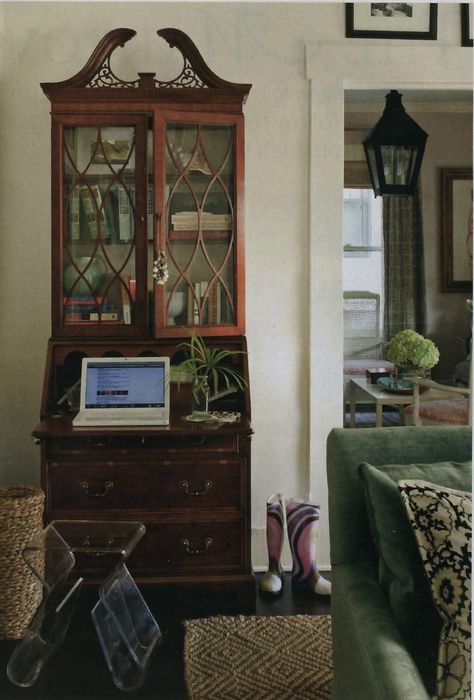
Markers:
point(441, 521)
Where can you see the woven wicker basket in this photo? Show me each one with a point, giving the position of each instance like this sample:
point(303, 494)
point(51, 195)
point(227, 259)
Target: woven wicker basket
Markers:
point(21, 511)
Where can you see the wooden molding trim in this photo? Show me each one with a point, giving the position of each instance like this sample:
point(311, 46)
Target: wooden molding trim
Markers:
point(98, 75)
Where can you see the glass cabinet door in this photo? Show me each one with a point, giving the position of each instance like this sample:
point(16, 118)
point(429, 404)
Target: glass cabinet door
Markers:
point(195, 268)
point(103, 239)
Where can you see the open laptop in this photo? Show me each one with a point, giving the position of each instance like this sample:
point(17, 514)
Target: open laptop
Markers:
point(124, 391)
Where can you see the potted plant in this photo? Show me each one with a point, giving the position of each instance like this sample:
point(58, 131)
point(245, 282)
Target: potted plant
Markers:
point(412, 353)
point(209, 370)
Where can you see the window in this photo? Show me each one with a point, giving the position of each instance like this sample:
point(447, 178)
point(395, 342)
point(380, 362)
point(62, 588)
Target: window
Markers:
point(363, 249)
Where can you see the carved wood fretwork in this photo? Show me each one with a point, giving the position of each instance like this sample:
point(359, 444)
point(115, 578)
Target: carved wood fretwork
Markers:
point(98, 74)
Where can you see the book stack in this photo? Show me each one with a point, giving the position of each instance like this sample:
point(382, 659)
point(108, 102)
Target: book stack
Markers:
point(189, 221)
point(89, 309)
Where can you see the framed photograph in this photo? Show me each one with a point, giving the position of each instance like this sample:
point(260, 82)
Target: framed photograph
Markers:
point(466, 24)
point(392, 20)
point(456, 229)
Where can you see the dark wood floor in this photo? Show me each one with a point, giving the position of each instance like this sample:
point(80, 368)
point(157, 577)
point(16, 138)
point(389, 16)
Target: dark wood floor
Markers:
point(78, 672)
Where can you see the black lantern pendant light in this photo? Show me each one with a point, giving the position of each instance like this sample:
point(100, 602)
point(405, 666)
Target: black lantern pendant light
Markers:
point(394, 150)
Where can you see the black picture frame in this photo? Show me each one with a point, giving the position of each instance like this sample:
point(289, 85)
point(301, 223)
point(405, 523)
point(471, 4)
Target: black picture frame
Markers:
point(466, 35)
point(354, 32)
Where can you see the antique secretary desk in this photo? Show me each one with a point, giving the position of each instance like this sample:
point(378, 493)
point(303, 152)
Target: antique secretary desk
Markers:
point(147, 246)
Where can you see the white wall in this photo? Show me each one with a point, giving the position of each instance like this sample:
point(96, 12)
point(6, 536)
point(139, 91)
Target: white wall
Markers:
point(293, 258)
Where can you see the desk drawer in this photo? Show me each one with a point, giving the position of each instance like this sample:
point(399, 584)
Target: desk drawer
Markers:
point(194, 547)
point(98, 487)
point(147, 446)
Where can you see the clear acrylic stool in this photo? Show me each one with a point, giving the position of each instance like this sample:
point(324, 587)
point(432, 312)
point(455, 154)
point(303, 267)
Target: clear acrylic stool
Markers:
point(127, 631)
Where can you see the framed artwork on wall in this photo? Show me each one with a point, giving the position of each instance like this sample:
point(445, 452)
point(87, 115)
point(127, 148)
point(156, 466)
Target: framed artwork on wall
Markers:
point(392, 20)
point(456, 229)
point(466, 24)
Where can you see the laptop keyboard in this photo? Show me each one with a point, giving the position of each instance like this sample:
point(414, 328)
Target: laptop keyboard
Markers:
point(122, 420)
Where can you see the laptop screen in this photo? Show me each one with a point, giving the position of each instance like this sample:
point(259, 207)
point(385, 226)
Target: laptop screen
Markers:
point(125, 385)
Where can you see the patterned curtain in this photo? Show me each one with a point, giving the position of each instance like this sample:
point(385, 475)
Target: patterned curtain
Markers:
point(404, 272)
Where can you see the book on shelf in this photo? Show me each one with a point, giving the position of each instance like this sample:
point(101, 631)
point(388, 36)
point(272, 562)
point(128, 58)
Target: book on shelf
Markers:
point(190, 307)
point(74, 316)
point(85, 308)
point(184, 220)
point(149, 213)
point(194, 304)
point(218, 302)
point(212, 305)
point(111, 210)
point(204, 302)
point(85, 304)
point(197, 303)
point(126, 307)
point(104, 316)
point(223, 304)
point(91, 199)
point(75, 214)
point(84, 299)
point(124, 215)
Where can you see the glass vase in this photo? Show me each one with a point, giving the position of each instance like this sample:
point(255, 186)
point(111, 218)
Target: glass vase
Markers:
point(200, 400)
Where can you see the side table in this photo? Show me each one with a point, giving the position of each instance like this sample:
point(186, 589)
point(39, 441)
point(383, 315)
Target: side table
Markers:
point(127, 631)
point(361, 389)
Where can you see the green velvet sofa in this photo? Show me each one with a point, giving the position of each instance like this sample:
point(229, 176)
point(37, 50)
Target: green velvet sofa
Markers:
point(370, 653)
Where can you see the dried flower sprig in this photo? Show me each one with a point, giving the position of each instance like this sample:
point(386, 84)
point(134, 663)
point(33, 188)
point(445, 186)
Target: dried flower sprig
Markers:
point(160, 268)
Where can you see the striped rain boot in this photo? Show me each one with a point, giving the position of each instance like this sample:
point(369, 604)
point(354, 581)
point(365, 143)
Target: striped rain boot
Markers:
point(272, 583)
point(302, 522)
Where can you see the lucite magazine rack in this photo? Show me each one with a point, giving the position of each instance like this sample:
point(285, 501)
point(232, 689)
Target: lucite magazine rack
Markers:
point(127, 630)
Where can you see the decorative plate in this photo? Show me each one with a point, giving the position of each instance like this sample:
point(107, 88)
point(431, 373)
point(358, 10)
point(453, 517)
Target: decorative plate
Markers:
point(400, 386)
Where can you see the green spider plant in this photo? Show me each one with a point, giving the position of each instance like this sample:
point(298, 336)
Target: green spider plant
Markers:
point(208, 367)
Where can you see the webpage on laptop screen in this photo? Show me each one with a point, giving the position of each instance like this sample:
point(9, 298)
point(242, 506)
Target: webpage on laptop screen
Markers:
point(127, 386)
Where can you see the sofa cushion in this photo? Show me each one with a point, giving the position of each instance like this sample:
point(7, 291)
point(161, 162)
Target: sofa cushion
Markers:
point(441, 521)
point(401, 573)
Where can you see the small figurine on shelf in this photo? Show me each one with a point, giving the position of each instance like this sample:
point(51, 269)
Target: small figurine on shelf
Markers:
point(209, 369)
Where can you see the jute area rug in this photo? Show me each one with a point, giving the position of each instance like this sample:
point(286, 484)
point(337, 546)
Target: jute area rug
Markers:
point(258, 658)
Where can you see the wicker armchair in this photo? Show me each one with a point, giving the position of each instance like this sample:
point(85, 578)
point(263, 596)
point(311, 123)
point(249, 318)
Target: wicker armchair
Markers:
point(362, 325)
point(363, 345)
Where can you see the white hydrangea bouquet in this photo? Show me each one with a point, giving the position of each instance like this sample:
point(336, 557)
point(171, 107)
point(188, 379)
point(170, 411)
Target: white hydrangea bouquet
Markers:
point(410, 349)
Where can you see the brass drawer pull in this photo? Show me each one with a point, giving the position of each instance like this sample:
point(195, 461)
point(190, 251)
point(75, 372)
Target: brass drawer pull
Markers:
point(108, 486)
point(100, 441)
point(205, 488)
point(208, 542)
